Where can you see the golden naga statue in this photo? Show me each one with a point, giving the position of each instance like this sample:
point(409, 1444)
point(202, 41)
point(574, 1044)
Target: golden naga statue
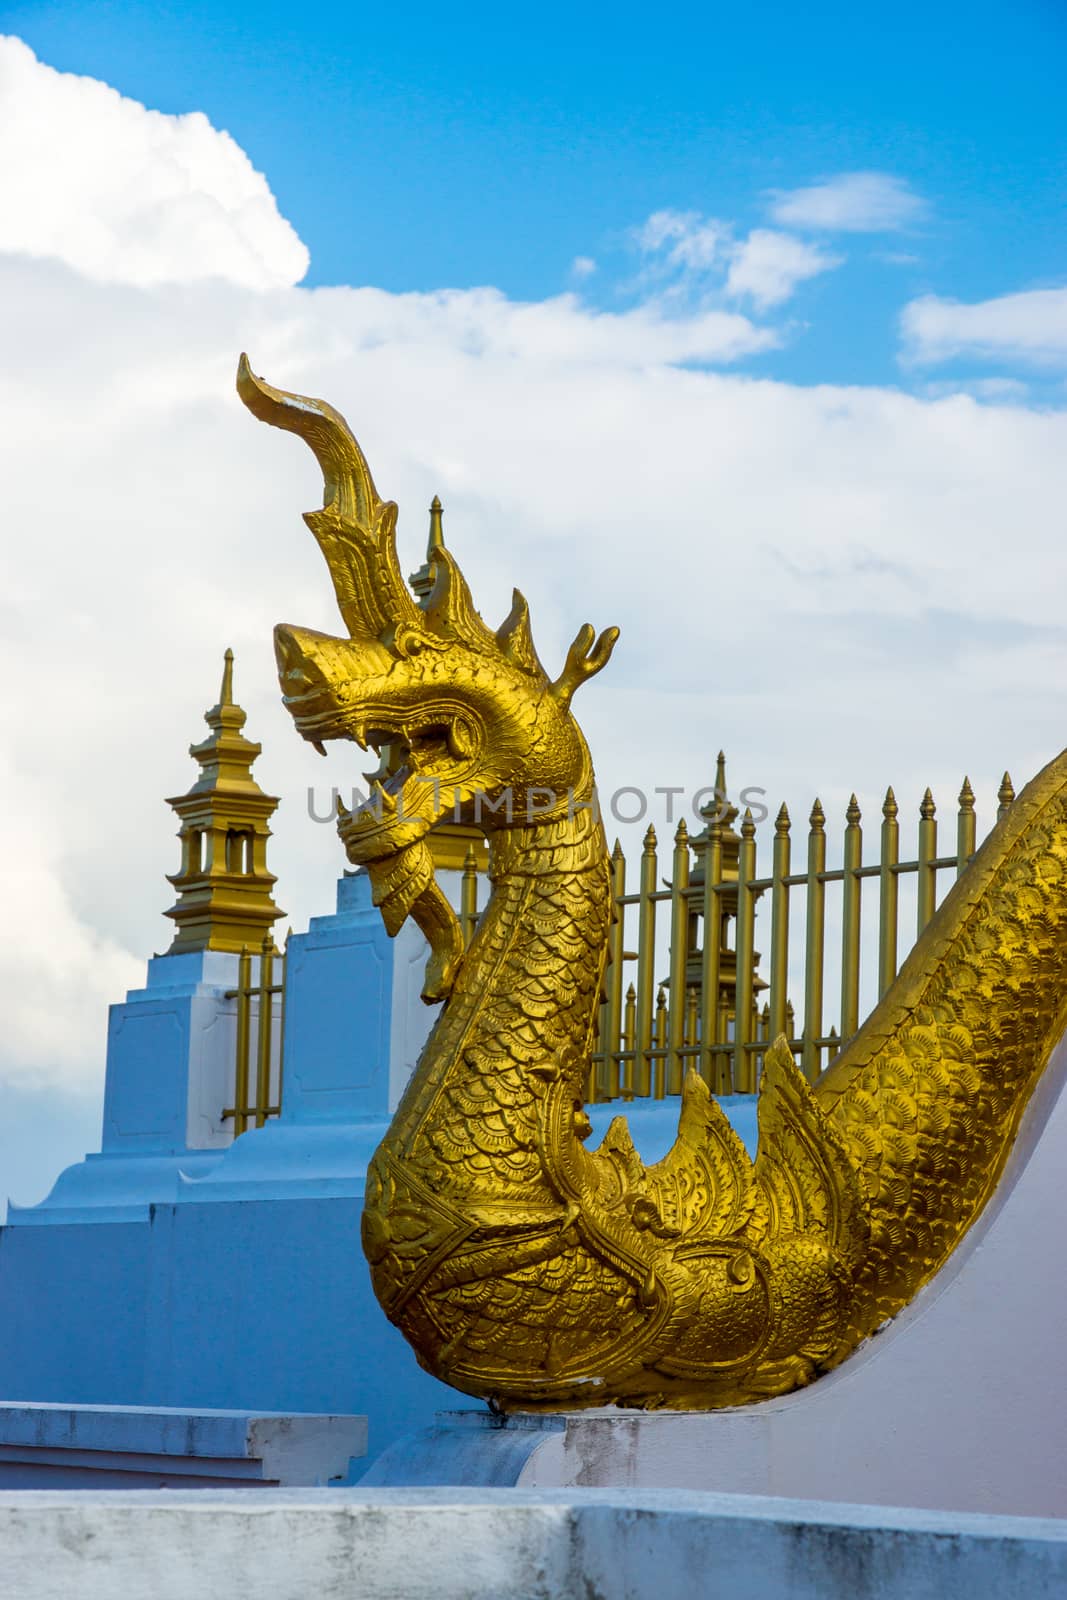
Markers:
point(521, 1266)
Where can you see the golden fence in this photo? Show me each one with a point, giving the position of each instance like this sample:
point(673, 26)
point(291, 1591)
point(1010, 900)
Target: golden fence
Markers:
point(699, 1003)
point(704, 1009)
point(260, 1026)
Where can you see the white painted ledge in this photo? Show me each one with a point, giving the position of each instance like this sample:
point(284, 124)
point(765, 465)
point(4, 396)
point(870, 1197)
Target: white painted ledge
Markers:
point(88, 1447)
point(456, 1544)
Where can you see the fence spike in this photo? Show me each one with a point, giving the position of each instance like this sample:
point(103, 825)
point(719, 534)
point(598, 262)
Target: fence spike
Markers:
point(889, 805)
point(781, 822)
point(966, 827)
point(927, 809)
point(650, 839)
point(817, 820)
point(1005, 794)
point(853, 814)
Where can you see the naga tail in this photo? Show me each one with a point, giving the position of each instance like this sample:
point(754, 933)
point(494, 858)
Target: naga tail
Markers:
point(928, 1095)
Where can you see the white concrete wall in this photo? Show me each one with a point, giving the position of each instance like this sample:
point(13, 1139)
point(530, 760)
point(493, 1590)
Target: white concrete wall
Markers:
point(411, 1018)
point(508, 1545)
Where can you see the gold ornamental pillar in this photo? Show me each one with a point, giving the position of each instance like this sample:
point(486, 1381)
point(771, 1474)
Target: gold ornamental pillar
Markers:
point(224, 888)
point(720, 816)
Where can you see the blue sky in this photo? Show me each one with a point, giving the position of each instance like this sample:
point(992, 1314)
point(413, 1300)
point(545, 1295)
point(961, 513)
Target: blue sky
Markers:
point(417, 147)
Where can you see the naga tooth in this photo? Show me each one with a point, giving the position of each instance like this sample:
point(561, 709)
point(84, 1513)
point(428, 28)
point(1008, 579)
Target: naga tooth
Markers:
point(359, 734)
point(382, 798)
point(317, 744)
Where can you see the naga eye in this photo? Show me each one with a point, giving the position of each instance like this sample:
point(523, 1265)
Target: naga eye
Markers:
point(408, 642)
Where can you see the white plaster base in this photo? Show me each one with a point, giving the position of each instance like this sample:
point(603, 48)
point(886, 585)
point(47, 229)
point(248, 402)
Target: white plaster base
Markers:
point(509, 1545)
point(959, 1403)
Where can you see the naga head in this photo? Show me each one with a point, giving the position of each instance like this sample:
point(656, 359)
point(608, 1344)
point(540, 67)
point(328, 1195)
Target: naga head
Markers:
point(469, 721)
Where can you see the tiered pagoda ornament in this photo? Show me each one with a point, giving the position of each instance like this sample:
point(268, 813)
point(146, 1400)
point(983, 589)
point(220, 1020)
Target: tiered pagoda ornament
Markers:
point(719, 815)
point(224, 889)
point(522, 1266)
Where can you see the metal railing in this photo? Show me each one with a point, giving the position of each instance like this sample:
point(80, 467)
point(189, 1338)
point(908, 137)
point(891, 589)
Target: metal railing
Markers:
point(260, 1026)
point(705, 1011)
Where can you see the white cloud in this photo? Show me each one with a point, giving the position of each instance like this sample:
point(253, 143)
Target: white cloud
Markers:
point(767, 266)
point(685, 240)
point(59, 972)
point(128, 195)
point(484, 322)
point(583, 266)
point(1030, 327)
point(996, 389)
point(850, 202)
point(690, 257)
point(803, 575)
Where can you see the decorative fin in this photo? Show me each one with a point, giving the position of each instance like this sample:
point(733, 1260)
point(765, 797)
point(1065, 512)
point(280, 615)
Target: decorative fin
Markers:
point(516, 641)
point(450, 611)
point(706, 1140)
point(803, 1165)
point(702, 1189)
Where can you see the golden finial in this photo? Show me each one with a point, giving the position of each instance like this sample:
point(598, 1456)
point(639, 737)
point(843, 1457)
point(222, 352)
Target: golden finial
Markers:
point(927, 809)
point(853, 813)
point(889, 805)
point(681, 834)
point(436, 537)
point(226, 692)
point(781, 822)
point(650, 839)
point(817, 820)
point(748, 826)
point(966, 801)
point(720, 776)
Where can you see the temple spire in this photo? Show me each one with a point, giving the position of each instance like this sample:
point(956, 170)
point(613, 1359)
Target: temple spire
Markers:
point(422, 581)
point(224, 889)
point(226, 692)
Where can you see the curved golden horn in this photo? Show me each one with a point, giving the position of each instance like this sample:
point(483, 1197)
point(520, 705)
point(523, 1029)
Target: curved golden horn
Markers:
point(584, 660)
point(356, 528)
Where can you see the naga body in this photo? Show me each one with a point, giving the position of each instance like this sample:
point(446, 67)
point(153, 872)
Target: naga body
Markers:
point(521, 1265)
